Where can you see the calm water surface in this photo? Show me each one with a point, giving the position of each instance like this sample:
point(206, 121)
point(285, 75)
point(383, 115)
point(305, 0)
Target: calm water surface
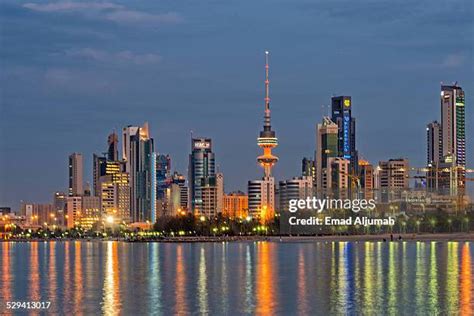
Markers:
point(90, 278)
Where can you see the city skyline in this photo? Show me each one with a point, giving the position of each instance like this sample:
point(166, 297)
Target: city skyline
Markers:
point(65, 115)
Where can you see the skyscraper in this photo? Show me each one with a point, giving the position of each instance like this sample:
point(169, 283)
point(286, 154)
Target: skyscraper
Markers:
point(180, 180)
point(202, 174)
point(98, 170)
point(434, 139)
point(76, 171)
point(112, 151)
point(163, 174)
point(337, 177)
point(453, 128)
point(308, 169)
point(261, 195)
point(326, 147)
point(342, 116)
point(138, 156)
point(114, 193)
point(220, 192)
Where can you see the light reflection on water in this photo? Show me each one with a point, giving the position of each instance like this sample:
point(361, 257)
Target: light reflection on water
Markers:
point(264, 278)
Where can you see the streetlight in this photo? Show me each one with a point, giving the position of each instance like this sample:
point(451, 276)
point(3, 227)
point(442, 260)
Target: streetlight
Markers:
point(110, 219)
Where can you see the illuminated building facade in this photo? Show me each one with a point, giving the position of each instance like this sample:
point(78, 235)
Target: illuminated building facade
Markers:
point(115, 196)
point(163, 174)
point(202, 174)
point(180, 180)
point(342, 116)
point(454, 128)
point(366, 179)
point(261, 195)
point(138, 156)
point(39, 214)
point(74, 209)
point(90, 212)
point(59, 207)
point(236, 205)
point(326, 147)
point(267, 140)
point(308, 169)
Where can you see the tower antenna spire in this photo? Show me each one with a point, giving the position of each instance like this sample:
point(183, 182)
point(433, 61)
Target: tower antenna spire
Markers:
point(267, 91)
point(267, 140)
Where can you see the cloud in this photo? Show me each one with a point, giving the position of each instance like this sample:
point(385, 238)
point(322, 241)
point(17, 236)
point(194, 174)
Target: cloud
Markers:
point(454, 60)
point(70, 6)
point(130, 16)
point(107, 11)
point(124, 56)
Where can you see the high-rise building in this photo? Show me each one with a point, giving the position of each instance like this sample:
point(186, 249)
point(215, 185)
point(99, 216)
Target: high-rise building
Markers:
point(59, 207)
point(74, 209)
point(308, 169)
point(236, 205)
point(180, 180)
point(326, 147)
point(76, 171)
point(139, 158)
point(261, 195)
point(90, 212)
point(82, 211)
point(366, 179)
point(163, 175)
point(337, 177)
point(115, 195)
point(219, 192)
point(209, 200)
point(342, 116)
point(98, 170)
point(434, 139)
point(442, 176)
point(202, 174)
point(393, 177)
point(296, 188)
point(454, 128)
point(112, 151)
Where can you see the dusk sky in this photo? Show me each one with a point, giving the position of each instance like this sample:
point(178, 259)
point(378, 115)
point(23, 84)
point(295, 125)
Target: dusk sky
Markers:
point(72, 72)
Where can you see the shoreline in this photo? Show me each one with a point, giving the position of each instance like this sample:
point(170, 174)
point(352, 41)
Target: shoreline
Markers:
point(424, 237)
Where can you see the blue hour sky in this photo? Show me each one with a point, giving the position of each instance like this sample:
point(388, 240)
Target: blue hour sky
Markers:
point(72, 71)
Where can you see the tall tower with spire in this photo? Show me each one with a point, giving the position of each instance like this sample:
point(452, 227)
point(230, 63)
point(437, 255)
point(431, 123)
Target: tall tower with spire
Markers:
point(267, 140)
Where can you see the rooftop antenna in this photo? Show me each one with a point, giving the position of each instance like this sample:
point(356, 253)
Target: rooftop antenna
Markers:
point(267, 92)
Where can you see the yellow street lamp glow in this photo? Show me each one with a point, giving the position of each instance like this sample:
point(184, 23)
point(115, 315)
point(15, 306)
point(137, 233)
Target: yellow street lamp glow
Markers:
point(110, 219)
point(202, 218)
